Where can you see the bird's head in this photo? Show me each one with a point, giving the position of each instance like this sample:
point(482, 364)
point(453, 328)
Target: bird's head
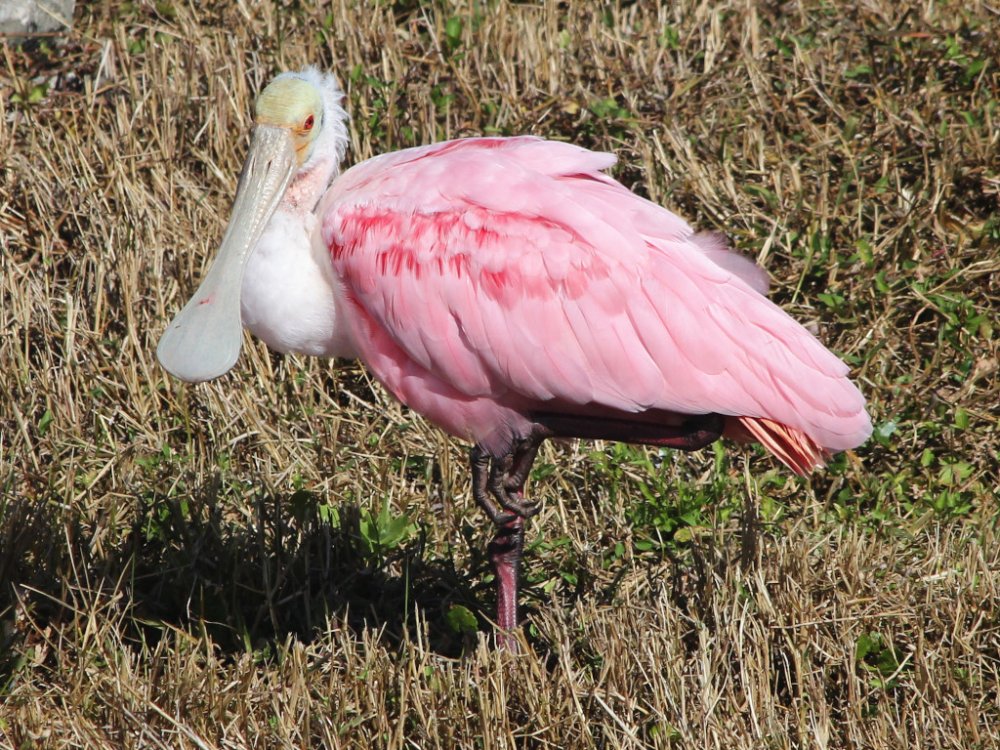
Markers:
point(299, 139)
point(305, 109)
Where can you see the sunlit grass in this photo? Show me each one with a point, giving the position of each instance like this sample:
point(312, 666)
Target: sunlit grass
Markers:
point(288, 558)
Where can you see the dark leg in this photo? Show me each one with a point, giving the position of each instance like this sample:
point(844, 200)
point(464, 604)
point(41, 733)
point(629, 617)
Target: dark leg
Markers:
point(694, 433)
point(497, 483)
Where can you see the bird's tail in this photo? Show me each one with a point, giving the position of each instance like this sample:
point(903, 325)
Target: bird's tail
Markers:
point(794, 448)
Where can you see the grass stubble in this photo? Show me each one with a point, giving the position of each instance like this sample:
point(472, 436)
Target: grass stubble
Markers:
point(287, 558)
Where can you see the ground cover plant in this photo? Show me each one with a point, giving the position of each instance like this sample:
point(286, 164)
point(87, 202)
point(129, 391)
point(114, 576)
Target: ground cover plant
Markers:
point(287, 558)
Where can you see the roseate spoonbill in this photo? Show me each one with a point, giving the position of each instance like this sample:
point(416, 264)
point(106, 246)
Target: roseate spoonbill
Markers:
point(510, 291)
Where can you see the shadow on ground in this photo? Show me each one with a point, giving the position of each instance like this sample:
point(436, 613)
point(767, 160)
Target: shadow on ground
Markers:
point(284, 570)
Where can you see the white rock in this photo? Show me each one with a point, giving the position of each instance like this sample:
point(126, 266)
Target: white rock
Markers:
point(35, 16)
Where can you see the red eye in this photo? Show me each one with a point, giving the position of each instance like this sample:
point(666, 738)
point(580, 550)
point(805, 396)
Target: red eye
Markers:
point(308, 124)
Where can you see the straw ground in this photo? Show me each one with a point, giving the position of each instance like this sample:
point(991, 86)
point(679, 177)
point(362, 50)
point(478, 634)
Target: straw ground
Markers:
point(287, 558)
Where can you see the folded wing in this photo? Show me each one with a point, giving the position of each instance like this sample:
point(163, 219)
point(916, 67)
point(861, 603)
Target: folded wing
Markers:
point(513, 271)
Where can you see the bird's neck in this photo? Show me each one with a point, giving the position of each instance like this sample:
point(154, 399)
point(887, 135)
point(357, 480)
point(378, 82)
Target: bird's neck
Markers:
point(308, 187)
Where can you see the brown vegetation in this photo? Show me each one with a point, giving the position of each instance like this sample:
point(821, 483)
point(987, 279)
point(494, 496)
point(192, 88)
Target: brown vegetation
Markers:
point(287, 558)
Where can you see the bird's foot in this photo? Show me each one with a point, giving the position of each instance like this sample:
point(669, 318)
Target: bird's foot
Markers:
point(515, 504)
point(497, 482)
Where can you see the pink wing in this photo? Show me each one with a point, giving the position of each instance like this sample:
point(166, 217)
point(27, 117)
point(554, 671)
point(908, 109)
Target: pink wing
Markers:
point(491, 277)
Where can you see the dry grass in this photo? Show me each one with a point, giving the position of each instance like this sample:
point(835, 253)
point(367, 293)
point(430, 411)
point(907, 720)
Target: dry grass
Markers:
point(196, 567)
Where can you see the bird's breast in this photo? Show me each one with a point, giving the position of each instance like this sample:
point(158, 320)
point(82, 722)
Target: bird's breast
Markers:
point(291, 298)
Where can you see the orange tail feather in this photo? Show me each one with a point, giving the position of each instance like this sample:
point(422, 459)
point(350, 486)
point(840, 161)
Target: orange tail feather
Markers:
point(791, 446)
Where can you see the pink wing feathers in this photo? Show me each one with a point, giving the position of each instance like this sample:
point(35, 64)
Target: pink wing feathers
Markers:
point(493, 277)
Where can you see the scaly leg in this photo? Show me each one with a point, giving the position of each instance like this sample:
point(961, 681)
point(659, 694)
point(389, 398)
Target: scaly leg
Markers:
point(505, 552)
point(497, 483)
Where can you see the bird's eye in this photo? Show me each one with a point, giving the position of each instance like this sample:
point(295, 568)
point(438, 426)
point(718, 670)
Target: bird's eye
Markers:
point(308, 124)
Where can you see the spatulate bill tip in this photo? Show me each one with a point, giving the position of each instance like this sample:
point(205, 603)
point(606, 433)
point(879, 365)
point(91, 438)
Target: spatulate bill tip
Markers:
point(195, 356)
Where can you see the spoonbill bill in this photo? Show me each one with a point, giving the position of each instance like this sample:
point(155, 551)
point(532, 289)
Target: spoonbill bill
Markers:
point(510, 291)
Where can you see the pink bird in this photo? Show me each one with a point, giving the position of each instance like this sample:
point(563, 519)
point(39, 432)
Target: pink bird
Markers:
point(509, 291)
